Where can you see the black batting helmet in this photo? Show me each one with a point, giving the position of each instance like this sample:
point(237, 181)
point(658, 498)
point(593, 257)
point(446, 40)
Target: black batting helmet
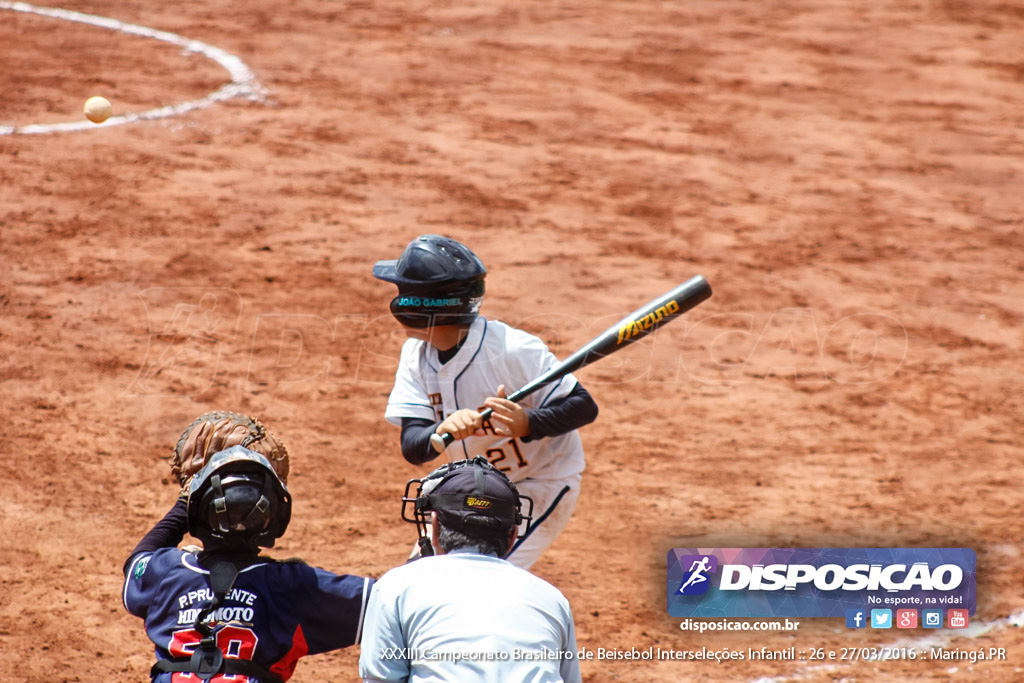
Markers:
point(440, 282)
point(238, 500)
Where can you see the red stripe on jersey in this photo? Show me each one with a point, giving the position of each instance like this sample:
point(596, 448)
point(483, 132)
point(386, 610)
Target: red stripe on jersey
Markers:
point(285, 667)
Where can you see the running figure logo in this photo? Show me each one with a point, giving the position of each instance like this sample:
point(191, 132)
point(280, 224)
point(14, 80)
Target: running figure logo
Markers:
point(696, 580)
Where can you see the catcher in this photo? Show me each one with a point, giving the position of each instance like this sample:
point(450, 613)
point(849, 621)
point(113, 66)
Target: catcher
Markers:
point(226, 611)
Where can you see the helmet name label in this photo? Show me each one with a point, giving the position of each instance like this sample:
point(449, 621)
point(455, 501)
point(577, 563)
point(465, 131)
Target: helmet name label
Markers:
point(428, 302)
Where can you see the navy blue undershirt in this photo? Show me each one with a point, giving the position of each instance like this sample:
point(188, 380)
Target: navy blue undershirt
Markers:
point(167, 533)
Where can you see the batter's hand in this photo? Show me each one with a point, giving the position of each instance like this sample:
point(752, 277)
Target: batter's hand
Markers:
point(508, 418)
point(462, 424)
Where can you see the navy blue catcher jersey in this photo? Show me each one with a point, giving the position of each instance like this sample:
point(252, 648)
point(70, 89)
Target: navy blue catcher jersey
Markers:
point(275, 613)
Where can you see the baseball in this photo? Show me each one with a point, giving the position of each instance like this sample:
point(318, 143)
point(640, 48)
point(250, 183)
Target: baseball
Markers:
point(97, 109)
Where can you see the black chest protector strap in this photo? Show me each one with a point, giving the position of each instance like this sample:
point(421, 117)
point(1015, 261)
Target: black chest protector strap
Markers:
point(207, 660)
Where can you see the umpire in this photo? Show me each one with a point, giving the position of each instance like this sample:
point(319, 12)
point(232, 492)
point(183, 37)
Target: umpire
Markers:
point(465, 613)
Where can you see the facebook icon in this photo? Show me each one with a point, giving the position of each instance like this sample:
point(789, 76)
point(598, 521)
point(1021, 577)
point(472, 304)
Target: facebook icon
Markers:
point(856, 618)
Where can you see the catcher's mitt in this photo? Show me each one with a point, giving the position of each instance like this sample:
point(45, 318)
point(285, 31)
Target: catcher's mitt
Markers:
point(214, 432)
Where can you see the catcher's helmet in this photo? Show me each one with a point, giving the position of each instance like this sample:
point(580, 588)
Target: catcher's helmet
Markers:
point(440, 282)
point(238, 500)
point(471, 496)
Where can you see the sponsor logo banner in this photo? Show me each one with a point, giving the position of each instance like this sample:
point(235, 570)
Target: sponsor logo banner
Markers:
point(819, 582)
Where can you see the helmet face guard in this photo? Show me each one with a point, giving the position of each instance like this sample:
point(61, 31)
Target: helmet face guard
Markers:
point(470, 508)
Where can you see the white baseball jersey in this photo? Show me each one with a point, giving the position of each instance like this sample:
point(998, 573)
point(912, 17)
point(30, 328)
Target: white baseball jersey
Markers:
point(492, 354)
point(467, 617)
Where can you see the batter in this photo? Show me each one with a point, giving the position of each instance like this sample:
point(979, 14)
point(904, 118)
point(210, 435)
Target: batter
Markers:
point(456, 362)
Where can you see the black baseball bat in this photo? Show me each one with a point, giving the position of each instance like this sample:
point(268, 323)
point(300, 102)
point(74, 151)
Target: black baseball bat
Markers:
point(634, 327)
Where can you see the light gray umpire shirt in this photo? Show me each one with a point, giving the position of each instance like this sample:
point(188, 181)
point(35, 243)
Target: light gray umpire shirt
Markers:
point(467, 617)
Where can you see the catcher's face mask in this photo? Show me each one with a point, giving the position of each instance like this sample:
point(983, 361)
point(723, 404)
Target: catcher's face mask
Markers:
point(238, 499)
point(470, 496)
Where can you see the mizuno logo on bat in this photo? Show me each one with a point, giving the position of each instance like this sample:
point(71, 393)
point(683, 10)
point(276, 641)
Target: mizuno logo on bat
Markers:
point(635, 328)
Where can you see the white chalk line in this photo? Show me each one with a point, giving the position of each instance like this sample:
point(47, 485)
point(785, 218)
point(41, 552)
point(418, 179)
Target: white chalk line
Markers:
point(939, 638)
point(243, 81)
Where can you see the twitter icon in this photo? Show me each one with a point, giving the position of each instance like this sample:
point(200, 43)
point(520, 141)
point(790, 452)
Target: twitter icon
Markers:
point(881, 618)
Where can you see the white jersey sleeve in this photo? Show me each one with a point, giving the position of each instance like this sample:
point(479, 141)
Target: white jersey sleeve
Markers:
point(410, 396)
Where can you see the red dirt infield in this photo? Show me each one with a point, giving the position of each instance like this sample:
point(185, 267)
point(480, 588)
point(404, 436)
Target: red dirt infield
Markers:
point(846, 176)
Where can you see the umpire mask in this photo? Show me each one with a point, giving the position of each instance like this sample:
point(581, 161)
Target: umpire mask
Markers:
point(471, 496)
